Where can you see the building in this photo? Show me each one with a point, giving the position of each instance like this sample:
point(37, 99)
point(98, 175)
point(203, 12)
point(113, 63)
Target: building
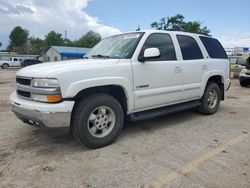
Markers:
point(237, 51)
point(60, 53)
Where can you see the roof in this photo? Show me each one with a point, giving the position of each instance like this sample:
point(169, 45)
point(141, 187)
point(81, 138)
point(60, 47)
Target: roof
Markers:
point(169, 31)
point(68, 50)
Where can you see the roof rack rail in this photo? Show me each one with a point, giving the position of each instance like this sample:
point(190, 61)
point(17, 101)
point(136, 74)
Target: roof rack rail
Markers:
point(178, 29)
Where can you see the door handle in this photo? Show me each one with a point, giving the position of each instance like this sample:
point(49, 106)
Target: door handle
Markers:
point(177, 70)
point(204, 67)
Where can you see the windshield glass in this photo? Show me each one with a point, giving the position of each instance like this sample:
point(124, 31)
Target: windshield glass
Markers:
point(117, 47)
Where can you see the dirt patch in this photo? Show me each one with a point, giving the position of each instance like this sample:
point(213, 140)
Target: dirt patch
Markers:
point(5, 83)
point(4, 155)
point(48, 169)
point(232, 97)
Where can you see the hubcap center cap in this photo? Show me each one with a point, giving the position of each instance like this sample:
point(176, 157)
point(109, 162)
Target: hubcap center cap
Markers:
point(101, 121)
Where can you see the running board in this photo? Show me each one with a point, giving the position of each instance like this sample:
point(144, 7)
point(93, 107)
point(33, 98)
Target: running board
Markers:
point(148, 114)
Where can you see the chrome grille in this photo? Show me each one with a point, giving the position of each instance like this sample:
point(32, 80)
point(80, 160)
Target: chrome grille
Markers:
point(23, 81)
point(24, 89)
point(23, 93)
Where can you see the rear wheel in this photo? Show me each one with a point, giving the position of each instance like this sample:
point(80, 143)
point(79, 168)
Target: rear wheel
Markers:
point(210, 101)
point(98, 120)
point(5, 66)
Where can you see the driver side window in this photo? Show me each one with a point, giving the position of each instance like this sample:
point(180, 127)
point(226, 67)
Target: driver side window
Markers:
point(164, 43)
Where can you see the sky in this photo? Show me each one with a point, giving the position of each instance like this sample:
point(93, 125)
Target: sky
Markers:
point(228, 20)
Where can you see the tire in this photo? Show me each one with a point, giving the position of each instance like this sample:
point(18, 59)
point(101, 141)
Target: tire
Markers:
point(210, 101)
point(243, 84)
point(98, 120)
point(5, 66)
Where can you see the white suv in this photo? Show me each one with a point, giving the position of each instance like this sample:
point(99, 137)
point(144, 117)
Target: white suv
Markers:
point(135, 75)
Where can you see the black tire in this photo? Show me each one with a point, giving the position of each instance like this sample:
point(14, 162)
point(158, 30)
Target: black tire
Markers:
point(206, 108)
point(81, 120)
point(5, 66)
point(243, 84)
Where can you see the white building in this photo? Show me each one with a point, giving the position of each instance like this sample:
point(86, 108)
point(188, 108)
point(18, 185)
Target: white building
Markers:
point(59, 53)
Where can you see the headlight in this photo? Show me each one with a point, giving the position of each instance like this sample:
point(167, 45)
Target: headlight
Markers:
point(45, 83)
point(47, 90)
point(46, 98)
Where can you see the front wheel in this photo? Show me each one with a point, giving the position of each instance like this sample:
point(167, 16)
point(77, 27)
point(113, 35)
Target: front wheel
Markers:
point(98, 120)
point(210, 101)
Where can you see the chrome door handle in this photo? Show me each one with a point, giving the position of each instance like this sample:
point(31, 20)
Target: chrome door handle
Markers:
point(204, 67)
point(177, 70)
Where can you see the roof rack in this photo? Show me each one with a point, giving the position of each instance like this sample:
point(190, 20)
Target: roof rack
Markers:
point(179, 29)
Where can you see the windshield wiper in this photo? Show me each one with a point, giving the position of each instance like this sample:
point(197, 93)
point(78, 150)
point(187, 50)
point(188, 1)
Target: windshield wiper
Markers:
point(101, 56)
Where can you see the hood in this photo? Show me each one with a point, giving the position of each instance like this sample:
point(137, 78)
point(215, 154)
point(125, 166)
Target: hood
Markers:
point(52, 69)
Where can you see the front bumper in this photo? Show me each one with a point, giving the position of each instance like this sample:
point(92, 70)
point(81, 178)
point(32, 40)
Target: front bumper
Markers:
point(42, 114)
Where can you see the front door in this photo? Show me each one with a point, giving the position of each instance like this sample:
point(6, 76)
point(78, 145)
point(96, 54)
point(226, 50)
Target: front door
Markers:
point(158, 81)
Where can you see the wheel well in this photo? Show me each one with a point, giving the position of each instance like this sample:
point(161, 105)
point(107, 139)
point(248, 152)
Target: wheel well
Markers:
point(5, 64)
point(219, 80)
point(114, 90)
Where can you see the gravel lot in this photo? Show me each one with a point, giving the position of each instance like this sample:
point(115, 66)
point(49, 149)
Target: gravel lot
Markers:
point(185, 149)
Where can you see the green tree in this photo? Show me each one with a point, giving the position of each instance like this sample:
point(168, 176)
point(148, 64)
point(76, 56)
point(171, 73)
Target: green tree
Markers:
point(177, 21)
point(18, 37)
point(36, 46)
point(89, 40)
point(0, 44)
point(53, 39)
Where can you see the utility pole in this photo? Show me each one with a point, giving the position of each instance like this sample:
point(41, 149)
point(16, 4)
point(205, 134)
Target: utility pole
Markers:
point(65, 37)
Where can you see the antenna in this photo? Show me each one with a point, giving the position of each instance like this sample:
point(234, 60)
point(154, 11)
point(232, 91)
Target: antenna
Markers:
point(138, 29)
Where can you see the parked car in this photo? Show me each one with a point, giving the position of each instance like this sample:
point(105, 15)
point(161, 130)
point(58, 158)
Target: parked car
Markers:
point(237, 63)
point(28, 62)
point(11, 62)
point(136, 76)
point(244, 76)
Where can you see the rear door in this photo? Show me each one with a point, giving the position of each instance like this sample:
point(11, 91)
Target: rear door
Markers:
point(158, 81)
point(194, 66)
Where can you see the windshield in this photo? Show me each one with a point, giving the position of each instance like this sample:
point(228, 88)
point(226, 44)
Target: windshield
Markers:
point(116, 47)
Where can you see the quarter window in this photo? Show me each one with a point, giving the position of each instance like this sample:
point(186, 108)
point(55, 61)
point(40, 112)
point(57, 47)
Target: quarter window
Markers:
point(164, 43)
point(214, 48)
point(189, 48)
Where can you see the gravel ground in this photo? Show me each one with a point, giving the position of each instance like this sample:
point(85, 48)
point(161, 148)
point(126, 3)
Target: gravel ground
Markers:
point(185, 149)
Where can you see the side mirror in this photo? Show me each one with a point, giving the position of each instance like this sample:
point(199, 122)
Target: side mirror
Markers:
point(150, 53)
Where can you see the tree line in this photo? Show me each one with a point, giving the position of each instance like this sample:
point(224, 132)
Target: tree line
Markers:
point(21, 42)
point(178, 22)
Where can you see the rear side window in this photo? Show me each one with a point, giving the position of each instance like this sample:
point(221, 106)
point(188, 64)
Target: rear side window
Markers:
point(164, 43)
point(189, 47)
point(214, 48)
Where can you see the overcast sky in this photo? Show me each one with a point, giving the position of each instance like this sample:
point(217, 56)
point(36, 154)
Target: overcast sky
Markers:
point(228, 20)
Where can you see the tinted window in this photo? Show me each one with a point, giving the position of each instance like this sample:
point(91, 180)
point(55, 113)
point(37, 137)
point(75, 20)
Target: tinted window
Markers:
point(214, 48)
point(189, 48)
point(15, 59)
point(164, 43)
